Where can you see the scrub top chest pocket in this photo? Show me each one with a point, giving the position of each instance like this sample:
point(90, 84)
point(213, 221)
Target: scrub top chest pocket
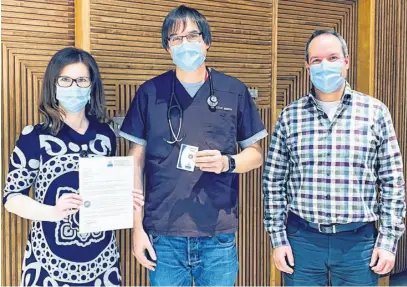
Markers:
point(218, 126)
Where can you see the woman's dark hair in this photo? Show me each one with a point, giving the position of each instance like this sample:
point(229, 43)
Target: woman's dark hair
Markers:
point(178, 18)
point(49, 105)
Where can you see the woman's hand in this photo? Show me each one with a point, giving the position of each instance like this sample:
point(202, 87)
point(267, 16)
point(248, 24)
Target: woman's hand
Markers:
point(67, 204)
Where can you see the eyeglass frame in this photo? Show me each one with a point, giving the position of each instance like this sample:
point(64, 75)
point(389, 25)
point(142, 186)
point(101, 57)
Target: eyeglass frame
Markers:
point(185, 36)
point(74, 80)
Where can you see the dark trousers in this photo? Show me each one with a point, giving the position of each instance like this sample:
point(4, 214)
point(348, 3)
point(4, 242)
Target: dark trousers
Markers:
point(344, 256)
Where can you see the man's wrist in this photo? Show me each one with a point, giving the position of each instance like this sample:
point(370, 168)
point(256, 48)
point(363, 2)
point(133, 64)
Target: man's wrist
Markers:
point(225, 161)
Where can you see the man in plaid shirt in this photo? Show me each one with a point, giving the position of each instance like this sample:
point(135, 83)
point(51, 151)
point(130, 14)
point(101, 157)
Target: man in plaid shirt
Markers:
point(328, 153)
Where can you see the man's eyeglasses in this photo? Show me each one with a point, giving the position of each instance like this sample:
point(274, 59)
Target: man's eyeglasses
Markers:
point(191, 38)
point(82, 82)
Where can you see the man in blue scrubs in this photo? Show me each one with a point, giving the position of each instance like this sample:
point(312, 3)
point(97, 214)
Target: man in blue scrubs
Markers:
point(184, 126)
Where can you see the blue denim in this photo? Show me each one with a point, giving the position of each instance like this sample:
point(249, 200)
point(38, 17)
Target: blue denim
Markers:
point(204, 261)
point(345, 256)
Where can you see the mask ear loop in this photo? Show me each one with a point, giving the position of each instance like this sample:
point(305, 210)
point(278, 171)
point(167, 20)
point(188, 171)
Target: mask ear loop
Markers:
point(89, 103)
point(90, 97)
point(55, 98)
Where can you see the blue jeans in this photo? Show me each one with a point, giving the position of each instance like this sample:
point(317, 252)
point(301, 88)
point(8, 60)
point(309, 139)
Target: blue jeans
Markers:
point(345, 256)
point(206, 261)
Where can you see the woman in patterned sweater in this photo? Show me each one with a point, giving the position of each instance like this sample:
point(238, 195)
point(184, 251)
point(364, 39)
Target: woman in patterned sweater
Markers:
point(46, 157)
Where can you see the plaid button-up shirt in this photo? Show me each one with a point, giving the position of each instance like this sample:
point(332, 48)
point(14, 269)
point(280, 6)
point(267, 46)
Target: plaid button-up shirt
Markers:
point(327, 171)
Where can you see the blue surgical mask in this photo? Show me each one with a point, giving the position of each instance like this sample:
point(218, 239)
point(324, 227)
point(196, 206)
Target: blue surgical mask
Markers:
point(188, 56)
point(326, 76)
point(73, 98)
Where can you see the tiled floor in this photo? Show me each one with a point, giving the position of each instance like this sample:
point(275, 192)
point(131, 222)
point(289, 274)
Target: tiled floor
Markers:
point(399, 279)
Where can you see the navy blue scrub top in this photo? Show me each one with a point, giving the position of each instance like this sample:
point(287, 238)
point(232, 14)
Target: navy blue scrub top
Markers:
point(183, 203)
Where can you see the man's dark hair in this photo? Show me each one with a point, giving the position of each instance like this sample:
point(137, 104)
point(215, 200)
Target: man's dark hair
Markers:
point(178, 18)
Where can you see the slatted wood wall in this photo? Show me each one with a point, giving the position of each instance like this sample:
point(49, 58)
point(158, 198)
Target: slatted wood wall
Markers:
point(32, 31)
point(125, 40)
point(391, 79)
point(297, 20)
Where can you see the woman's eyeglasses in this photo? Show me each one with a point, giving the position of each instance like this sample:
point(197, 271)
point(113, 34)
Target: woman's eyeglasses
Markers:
point(82, 82)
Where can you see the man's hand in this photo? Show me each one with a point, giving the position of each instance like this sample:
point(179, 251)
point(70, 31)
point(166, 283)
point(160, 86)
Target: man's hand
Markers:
point(141, 243)
point(384, 259)
point(279, 256)
point(138, 199)
point(211, 161)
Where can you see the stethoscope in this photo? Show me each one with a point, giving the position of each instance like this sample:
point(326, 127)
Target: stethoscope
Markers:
point(212, 102)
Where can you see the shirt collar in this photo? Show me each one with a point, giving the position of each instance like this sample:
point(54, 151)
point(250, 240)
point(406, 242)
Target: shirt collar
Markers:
point(345, 99)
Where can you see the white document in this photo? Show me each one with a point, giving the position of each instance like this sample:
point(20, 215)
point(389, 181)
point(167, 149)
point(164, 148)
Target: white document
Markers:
point(106, 185)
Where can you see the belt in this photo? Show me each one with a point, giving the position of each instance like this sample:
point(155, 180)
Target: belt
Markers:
point(327, 228)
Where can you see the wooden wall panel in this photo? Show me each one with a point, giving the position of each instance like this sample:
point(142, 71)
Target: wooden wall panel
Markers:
point(126, 42)
point(126, 39)
point(297, 20)
point(32, 31)
point(133, 274)
point(391, 80)
point(253, 241)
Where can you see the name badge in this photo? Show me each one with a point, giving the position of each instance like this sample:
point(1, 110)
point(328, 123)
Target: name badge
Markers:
point(186, 157)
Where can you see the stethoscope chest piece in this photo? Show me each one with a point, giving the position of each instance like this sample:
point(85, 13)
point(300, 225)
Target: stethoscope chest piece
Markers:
point(212, 102)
